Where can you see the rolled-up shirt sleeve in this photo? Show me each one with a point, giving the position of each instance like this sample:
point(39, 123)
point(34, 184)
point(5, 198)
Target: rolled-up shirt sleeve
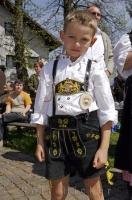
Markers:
point(104, 98)
point(121, 50)
point(43, 98)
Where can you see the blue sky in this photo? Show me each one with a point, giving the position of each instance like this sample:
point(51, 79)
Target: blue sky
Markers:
point(40, 2)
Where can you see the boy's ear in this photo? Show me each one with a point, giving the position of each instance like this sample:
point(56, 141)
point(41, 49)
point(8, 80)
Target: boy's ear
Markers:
point(93, 41)
point(62, 35)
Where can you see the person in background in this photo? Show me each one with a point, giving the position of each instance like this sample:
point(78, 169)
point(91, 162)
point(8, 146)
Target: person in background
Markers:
point(8, 89)
point(34, 79)
point(74, 99)
point(123, 153)
point(102, 48)
point(2, 79)
point(18, 105)
point(118, 89)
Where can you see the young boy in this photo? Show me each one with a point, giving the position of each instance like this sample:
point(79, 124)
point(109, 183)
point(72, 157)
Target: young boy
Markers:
point(74, 91)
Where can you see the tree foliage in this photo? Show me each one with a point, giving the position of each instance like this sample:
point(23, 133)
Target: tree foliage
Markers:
point(129, 7)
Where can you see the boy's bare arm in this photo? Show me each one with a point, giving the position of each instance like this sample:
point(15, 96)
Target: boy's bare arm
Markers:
point(40, 134)
point(105, 135)
point(102, 153)
point(40, 153)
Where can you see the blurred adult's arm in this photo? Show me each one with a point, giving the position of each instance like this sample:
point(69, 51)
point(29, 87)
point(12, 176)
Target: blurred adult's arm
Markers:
point(128, 62)
point(108, 54)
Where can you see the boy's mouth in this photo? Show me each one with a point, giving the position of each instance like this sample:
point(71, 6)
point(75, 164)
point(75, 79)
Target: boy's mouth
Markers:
point(75, 50)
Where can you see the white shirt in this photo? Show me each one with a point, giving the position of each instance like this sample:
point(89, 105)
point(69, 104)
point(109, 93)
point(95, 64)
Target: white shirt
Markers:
point(121, 50)
point(99, 88)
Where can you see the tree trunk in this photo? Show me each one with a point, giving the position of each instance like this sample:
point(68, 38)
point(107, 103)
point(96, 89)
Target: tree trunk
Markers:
point(68, 6)
point(20, 62)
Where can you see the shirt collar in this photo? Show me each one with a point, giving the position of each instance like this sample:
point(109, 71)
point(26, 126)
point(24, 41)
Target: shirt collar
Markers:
point(82, 58)
point(98, 31)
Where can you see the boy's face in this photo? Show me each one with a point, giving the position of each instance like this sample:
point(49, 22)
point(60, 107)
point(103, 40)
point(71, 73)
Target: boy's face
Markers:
point(77, 38)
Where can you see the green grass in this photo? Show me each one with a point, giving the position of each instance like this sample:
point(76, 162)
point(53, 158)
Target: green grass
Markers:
point(24, 140)
point(113, 142)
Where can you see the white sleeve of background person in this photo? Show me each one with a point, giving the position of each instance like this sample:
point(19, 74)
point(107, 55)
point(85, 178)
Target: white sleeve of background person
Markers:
point(43, 97)
point(121, 50)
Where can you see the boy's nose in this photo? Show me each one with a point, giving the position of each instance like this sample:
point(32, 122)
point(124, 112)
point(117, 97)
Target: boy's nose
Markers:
point(77, 43)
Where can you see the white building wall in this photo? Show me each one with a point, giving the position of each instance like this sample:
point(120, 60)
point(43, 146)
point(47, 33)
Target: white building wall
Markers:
point(35, 44)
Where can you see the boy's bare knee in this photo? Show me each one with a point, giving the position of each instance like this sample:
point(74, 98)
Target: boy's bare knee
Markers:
point(59, 189)
point(94, 189)
point(58, 195)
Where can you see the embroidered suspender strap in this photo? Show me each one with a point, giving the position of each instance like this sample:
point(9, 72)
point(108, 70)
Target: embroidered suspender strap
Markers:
point(53, 75)
point(54, 68)
point(55, 146)
point(130, 36)
point(87, 73)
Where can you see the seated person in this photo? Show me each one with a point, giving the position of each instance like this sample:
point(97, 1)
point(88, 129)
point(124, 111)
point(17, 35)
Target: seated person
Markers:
point(8, 88)
point(2, 81)
point(18, 105)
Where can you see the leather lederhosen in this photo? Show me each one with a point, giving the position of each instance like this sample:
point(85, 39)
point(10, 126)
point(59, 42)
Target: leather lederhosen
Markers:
point(60, 126)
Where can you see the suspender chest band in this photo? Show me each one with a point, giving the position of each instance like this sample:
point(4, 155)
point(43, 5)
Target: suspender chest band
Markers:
point(68, 87)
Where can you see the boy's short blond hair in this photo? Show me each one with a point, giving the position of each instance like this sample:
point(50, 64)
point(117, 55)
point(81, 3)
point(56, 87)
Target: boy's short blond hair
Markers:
point(83, 18)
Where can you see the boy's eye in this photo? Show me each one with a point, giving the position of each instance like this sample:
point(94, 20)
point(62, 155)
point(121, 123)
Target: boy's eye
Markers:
point(85, 40)
point(70, 36)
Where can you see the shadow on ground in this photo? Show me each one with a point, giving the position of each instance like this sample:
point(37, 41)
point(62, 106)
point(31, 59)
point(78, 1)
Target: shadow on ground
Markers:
point(112, 192)
point(37, 167)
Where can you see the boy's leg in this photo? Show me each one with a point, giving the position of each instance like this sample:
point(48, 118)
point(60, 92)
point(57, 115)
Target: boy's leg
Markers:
point(94, 188)
point(59, 188)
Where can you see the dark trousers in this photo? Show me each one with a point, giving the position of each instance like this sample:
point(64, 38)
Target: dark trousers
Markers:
point(10, 117)
point(129, 191)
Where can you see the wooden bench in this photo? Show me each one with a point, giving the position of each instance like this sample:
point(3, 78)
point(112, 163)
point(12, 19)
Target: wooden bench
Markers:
point(21, 124)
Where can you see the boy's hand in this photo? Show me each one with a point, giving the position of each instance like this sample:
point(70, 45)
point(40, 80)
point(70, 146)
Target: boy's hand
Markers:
point(100, 158)
point(40, 153)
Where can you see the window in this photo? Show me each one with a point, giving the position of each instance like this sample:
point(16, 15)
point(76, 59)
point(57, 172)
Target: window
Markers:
point(10, 62)
point(8, 28)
